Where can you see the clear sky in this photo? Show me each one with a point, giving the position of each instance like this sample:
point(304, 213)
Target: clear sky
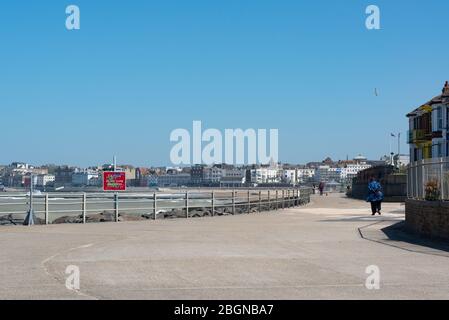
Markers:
point(139, 69)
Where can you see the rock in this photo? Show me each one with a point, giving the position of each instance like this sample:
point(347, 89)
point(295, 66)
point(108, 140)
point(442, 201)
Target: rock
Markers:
point(181, 213)
point(173, 214)
point(147, 216)
point(68, 219)
point(228, 210)
point(130, 217)
point(9, 219)
point(196, 214)
point(207, 213)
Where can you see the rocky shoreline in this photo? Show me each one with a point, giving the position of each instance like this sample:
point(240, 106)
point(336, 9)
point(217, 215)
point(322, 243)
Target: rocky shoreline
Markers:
point(109, 215)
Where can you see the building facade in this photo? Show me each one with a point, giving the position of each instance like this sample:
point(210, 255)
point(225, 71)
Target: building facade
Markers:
point(44, 180)
point(86, 178)
point(428, 134)
point(233, 178)
point(174, 180)
point(305, 174)
point(212, 175)
point(197, 174)
point(264, 175)
point(63, 175)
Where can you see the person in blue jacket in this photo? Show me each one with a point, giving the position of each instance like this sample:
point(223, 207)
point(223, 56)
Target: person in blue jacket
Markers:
point(375, 196)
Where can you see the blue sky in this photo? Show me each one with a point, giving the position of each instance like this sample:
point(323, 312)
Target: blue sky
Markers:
point(139, 69)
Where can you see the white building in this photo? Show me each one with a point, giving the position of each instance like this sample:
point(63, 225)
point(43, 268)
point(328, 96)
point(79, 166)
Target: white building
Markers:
point(350, 170)
point(290, 176)
point(212, 175)
point(233, 177)
point(342, 171)
point(326, 173)
point(305, 174)
point(85, 178)
point(43, 180)
point(265, 175)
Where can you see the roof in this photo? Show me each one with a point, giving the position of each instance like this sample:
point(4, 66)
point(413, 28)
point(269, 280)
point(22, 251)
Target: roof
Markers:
point(360, 157)
point(442, 98)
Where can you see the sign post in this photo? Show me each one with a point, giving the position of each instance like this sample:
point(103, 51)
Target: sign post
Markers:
point(114, 181)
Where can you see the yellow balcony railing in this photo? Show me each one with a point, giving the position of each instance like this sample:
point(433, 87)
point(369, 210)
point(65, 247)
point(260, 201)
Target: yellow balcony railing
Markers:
point(419, 135)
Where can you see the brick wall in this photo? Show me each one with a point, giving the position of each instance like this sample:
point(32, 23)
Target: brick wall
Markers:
point(427, 218)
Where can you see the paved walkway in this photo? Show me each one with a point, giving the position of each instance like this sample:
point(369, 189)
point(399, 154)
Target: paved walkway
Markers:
point(316, 252)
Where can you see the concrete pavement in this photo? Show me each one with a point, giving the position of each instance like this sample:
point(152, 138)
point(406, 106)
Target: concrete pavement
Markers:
point(320, 251)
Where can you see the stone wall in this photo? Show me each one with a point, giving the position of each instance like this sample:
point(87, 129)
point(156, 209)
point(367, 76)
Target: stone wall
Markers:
point(427, 218)
point(394, 185)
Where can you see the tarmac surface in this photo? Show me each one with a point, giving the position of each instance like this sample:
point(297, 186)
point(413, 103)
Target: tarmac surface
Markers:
point(320, 251)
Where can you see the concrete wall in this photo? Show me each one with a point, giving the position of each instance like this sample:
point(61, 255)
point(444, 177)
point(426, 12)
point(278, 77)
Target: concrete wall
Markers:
point(394, 187)
point(427, 218)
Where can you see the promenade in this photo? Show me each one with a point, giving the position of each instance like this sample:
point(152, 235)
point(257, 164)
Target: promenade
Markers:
point(319, 251)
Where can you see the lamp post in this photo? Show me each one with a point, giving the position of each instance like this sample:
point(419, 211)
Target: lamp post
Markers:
point(399, 149)
point(29, 219)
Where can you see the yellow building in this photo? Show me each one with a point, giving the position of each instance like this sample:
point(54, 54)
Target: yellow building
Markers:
point(428, 128)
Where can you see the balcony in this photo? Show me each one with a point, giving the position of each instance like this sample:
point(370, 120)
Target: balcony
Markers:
point(419, 136)
point(437, 134)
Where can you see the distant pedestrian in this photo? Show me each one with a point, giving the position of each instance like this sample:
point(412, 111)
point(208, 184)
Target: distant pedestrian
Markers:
point(314, 189)
point(321, 188)
point(375, 196)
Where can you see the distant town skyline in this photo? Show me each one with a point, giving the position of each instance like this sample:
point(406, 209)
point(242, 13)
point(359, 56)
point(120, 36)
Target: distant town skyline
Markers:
point(55, 177)
point(170, 165)
point(133, 73)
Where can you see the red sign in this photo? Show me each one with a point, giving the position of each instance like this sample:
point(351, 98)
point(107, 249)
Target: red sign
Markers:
point(114, 181)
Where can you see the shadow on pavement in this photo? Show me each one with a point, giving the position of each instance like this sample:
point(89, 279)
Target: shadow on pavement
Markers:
point(397, 232)
point(364, 218)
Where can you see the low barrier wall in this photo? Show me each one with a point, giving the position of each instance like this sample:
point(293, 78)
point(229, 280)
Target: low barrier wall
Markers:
point(427, 218)
point(394, 187)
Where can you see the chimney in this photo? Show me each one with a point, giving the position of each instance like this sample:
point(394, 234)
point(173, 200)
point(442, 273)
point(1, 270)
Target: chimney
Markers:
point(446, 89)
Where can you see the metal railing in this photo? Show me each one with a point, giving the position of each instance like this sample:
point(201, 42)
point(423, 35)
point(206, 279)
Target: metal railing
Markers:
point(54, 208)
point(428, 179)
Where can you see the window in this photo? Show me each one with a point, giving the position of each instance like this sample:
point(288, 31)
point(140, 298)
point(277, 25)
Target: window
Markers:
point(447, 119)
point(440, 118)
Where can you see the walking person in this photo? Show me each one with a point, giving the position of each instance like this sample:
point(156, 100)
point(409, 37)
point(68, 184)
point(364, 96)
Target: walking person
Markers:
point(321, 188)
point(375, 196)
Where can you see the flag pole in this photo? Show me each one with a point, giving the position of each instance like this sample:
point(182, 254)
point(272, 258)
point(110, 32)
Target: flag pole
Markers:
point(390, 143)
